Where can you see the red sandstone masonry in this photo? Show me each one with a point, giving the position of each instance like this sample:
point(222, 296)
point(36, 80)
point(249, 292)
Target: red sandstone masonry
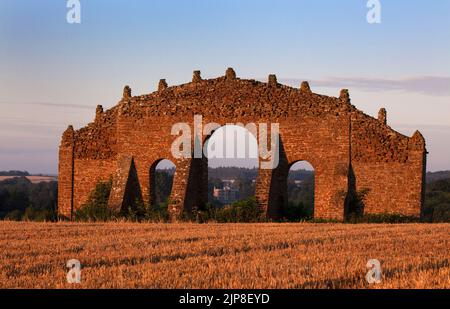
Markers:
point(348, 149)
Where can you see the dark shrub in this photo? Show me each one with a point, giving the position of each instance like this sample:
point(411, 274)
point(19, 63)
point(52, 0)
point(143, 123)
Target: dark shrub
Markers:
point(246, 210)
point(295, 212)
point(96, 208)
point(382, 218)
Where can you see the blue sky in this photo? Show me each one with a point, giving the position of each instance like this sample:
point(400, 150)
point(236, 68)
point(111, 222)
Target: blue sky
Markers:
point(54, 73)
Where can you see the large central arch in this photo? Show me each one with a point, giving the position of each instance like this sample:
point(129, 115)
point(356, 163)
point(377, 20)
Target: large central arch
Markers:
point(232, 145)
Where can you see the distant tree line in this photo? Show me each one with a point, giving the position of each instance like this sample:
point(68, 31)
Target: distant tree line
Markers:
point(232, 173)
point(163, 185)
point(20, 199)
point(437, 201)
point(14, 173)
point(300, 204)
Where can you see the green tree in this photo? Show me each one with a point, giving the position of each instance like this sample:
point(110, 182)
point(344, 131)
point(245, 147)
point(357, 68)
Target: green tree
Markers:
point(96, 208)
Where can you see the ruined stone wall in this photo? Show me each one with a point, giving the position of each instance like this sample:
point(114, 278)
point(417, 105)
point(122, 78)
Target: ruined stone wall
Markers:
point(388, 166)
point(65, 174)
point(86, 157)
point(127, 142)
point(324, 144)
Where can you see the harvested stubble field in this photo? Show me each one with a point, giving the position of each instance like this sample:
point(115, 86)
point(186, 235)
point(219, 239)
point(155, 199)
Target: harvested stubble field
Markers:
point(133, 255)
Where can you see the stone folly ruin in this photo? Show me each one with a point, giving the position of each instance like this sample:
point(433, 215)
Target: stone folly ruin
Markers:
point(350, 151)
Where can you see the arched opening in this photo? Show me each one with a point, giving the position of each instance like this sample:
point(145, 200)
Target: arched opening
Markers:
point(161, 181)
point(232, 153)
point(300, 192)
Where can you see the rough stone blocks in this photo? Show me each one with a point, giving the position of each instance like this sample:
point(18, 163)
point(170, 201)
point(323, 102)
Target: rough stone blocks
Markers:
point(350, 151)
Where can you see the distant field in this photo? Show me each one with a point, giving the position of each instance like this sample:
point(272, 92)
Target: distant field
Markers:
point(33, 179)
point(129, 255)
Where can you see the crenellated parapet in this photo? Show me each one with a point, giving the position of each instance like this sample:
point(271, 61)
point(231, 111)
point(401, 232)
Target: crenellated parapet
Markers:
point(229, 96)
point(97, 140)
point(224, 97)
point(373, 141)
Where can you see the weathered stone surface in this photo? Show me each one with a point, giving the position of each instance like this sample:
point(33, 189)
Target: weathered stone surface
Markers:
point(273, 80)
point(304, 87)
point(126, 92)
point(162, 85)
point(382, 116)
point(125, 189)
point(230, 74)
point(66, 173)
point(98, 113)
point(349, 150)
point(345, 96)
point(196, 77)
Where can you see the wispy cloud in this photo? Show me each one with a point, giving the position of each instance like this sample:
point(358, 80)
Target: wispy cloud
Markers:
point(49, 104)
point(428, 85)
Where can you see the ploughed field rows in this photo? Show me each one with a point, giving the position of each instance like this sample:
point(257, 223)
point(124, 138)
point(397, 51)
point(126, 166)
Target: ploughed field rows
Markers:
point(133, 255)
